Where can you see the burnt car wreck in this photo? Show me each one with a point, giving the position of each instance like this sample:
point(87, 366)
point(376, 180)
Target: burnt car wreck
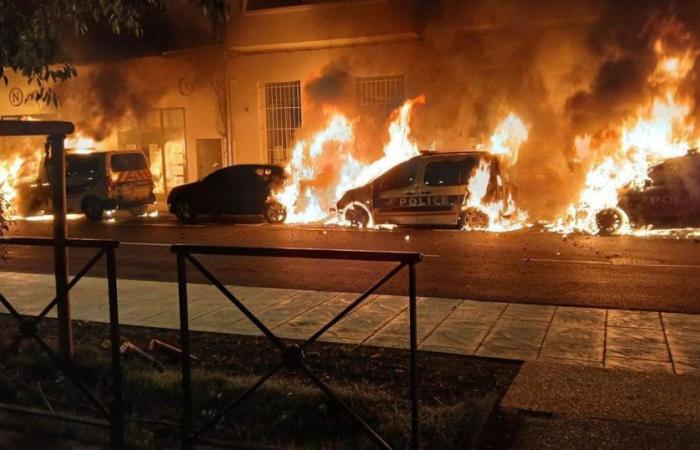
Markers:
point(244, 189)
point(670, 197)
point(447, 188)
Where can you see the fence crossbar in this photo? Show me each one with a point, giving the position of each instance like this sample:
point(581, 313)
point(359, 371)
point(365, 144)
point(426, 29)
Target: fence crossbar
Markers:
point(28, 328)
point(261, 326)
point(292, 354)
point(353, 305)
point(78, 276)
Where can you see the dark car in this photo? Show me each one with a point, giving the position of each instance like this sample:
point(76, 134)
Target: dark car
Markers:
point(669, 198)
point(240, 189)
point(428, 189)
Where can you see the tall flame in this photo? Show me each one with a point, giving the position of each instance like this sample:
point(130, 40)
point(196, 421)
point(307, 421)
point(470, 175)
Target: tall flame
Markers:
point(331, 150)
point(503, 215)
point(304, 166)
point(510, 134)
point(660, 130)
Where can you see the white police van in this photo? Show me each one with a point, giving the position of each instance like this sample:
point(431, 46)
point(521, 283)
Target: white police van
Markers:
point(96, 182)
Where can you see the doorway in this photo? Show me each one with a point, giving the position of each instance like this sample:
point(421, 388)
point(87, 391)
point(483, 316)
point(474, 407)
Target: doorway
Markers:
point(208, 156)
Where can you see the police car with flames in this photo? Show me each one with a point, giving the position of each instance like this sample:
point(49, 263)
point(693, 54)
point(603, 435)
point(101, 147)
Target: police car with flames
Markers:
point(670, 197)
point(429, 189)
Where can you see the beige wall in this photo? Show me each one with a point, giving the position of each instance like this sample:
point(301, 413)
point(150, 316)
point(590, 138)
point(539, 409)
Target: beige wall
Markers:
point(157, 82)
point(250, 72)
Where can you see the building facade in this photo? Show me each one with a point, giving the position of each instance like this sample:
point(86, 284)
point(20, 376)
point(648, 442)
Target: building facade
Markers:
point(247, 98)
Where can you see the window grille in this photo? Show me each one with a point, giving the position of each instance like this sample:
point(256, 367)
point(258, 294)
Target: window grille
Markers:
point(387, 91)
point(283, 118)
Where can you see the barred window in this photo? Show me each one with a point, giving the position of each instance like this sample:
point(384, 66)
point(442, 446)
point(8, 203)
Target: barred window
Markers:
point(387, 91)
point(283, 118)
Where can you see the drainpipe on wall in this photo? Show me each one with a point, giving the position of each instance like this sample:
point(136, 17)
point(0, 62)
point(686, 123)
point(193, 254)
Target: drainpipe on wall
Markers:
point(230, 134)
point(230, 130)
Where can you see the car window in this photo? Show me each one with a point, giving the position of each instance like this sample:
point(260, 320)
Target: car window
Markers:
point(219, 177)
point(128, 161)
point(449, 173)
point(83, 165)
point(400, 176)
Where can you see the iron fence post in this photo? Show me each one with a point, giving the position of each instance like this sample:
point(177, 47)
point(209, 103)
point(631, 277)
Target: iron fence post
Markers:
point(60, 234)
point(187, 430)
point(415, 431)
point(117, 410)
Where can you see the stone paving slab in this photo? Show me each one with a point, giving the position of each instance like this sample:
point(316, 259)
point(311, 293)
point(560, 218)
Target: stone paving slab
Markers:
point(431, 313)
point(638, 340)
point(365, 322)
point(307, 323)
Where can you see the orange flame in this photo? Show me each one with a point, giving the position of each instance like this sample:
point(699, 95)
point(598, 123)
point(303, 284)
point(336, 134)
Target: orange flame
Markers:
point(306, 201)
point(660, 130)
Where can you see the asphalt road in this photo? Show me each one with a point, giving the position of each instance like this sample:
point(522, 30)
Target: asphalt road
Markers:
point(527, 266)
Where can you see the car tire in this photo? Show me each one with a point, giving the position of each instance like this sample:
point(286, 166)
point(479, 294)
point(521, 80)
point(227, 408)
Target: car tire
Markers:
point(275, 212)
point(611, 221)
point(356, 216)
point(139, 211)
point(93, 209)
point(473, 219)
point(185, 211)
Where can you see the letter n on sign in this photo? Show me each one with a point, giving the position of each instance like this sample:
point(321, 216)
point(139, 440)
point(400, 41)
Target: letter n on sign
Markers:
point(16, 96)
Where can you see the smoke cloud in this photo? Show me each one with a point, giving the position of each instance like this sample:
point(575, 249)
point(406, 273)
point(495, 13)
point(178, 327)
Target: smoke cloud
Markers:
point(104, 98)
point(569, 70)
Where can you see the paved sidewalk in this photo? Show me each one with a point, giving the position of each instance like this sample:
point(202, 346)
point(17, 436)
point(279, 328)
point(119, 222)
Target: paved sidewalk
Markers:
point(648, 341)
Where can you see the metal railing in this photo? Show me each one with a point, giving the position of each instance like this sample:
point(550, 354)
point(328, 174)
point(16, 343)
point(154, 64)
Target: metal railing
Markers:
point(292, 354)
point(28, 329)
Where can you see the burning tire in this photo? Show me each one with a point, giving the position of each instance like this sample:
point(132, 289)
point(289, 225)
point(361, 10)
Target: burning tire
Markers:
point(473, 219)
point(184, 210)
point(93, 210)
point(275, 212)
point(356, 216)
point(611, 221)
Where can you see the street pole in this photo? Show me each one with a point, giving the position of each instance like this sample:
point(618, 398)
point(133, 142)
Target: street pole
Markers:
point(60, 234)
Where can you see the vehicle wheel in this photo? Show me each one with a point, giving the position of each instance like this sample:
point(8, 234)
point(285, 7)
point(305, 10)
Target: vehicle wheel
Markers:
point(473, 219)
point(610, 221)
point(356, 216)
point(93, 210)
point(139, 211)
point(184, 210)
point(275, 212)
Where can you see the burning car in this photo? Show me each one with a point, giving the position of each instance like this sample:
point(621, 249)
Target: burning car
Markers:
point(458, 188)
point(95, 182)
point(670, 197)
point(239, 189)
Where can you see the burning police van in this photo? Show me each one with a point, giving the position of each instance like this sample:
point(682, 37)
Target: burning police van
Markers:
point(465, 189)
point(670, 197)
point(96, 182)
